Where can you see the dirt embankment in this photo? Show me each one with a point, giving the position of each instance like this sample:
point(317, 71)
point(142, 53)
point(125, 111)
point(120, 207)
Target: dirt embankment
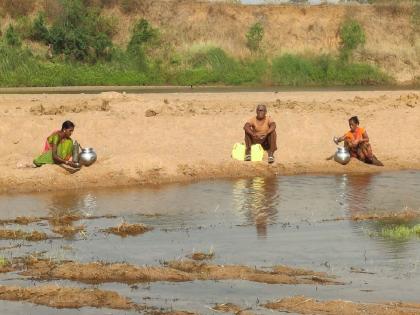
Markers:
point(190, 136)
point(392, 40)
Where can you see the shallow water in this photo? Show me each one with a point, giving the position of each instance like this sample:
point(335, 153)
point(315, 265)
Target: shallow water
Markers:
point(256, 222)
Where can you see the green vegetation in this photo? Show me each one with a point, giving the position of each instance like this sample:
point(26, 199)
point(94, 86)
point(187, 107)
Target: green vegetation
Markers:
point(4, 262)
point(323, 70)
point(213, 65)
point(39, 30)
point(12, 38)
point(352, 36)
point(82, 52)
point(254, 37)
point(401, 232)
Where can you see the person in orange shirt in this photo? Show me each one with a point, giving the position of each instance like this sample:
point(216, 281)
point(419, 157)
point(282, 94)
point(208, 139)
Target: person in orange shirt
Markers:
point(356, 140)
point(261, 129)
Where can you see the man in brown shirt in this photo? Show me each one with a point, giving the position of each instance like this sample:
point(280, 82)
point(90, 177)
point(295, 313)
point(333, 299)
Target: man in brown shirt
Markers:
point(261, 129)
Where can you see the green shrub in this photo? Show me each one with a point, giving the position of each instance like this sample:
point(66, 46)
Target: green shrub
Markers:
point(39, 31)
point(254, 37)
point(102, 45)
point(352, 36)
point(79, 33)
point(143, 36)
point(143, 33)
point(12, 37)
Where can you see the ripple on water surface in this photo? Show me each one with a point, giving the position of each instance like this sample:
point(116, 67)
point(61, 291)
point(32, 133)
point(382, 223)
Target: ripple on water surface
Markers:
point(258, 221)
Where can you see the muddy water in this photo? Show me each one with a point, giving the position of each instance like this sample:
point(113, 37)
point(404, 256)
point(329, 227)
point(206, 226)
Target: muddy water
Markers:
point(256, 222)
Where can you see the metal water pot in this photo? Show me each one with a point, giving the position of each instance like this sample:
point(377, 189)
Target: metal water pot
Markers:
point(342, 155)
point(87, 157)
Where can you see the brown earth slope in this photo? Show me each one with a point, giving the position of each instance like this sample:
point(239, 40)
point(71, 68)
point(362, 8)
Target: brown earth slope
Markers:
point(392, 40)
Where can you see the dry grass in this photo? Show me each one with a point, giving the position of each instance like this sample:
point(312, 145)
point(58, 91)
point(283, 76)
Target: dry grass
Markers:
point(394, 7)
point(303, 305)
point(64, 297)
point(174, 271)
point(21, 235)
point(68, 230)
point(21, 220)
point(126, 229)
point(16, 8)
point(202, 256)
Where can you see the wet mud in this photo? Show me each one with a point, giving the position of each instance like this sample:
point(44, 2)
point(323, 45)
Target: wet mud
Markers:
point(304, 305)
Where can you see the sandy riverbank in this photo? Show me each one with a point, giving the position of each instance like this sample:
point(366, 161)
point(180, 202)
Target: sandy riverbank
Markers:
point(190, 136)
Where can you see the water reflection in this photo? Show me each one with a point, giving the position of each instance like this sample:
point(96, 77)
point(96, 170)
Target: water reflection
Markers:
point(71, 202)
point(357, 196)
point(356, 192)
point(257, 200)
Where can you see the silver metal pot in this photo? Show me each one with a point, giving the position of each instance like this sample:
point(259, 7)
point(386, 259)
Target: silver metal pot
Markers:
point(342, 155)
point(87, 157)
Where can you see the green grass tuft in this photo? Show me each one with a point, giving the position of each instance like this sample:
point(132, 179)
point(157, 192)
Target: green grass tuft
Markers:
point(401, 232)
point(323, 70)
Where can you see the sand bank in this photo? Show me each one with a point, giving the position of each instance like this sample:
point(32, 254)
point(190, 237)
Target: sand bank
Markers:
point(161, 138)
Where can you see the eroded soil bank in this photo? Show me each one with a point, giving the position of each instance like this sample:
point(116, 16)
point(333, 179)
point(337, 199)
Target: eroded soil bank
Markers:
point(161, 138)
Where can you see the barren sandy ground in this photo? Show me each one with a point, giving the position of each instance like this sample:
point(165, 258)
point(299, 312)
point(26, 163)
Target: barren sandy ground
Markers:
point(190, 136)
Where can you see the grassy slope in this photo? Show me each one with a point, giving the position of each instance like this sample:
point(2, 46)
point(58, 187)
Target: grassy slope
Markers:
point(193, 26)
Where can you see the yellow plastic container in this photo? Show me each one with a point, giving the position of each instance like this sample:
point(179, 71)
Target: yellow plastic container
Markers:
point(238, 152)
point(257, 153)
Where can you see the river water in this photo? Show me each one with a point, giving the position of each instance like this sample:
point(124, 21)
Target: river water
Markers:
point(256, 222)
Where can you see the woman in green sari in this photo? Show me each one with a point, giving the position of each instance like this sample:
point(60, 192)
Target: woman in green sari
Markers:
point(58, 147)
